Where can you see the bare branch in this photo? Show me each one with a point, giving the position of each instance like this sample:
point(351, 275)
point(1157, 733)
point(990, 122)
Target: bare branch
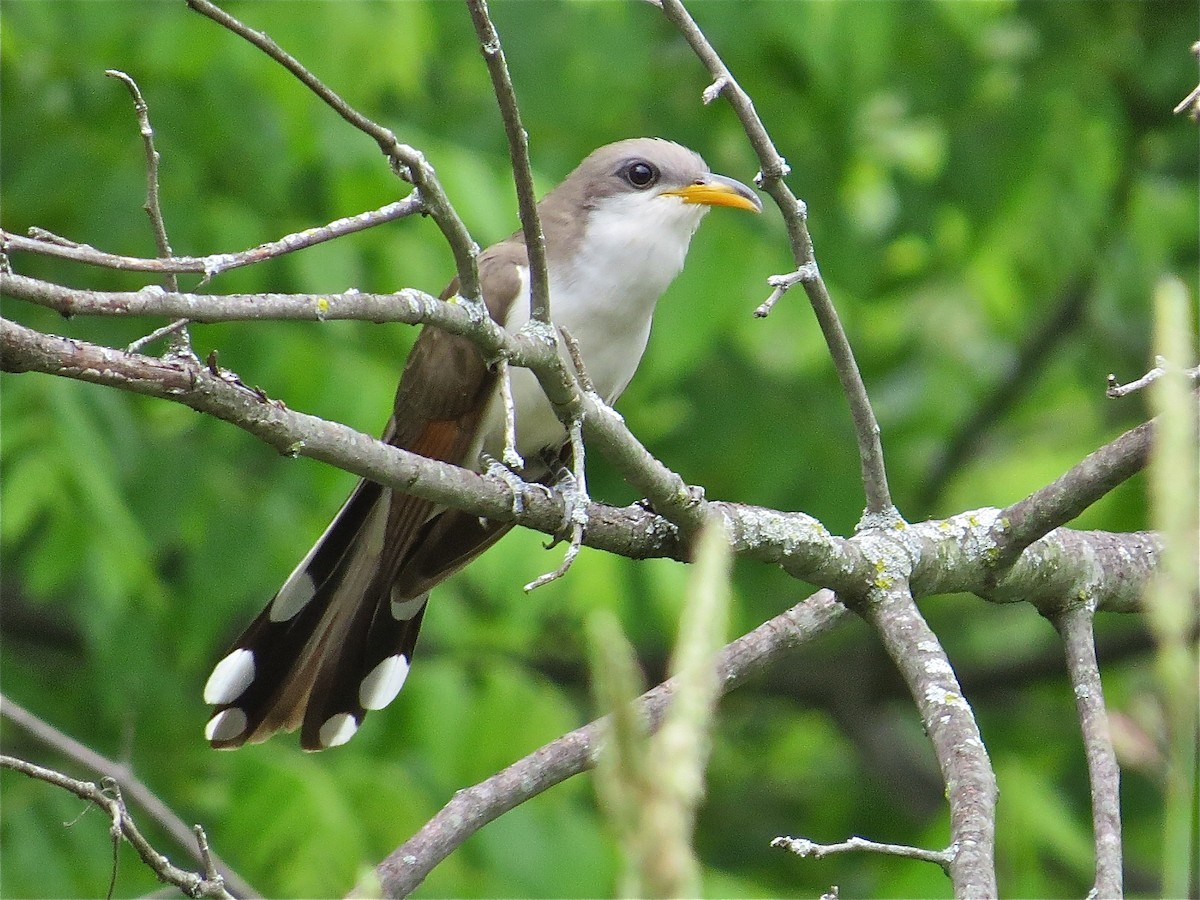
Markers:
point(774, 170)
point(951, 555)
point(1061, 501)
point(148, 339)
point(962, 758)
point(1074, 623)
point(471, 809)
point(1191, 103)
point(511, 457)
point(190, 883)
point(180, 340)
point(804, 848)
point(216, 263)
point(518, 150)
point(1116, 389)
point(408, 306)
point(782, 284)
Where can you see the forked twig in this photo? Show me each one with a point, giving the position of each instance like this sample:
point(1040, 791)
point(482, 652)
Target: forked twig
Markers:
point(123, 826)
point(131, 786)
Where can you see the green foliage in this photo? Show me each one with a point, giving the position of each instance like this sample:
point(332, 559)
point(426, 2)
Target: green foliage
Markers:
point(967, 168)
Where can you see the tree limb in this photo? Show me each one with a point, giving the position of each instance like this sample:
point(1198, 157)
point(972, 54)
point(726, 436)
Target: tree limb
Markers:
point(1074, 623)
point(962, 758)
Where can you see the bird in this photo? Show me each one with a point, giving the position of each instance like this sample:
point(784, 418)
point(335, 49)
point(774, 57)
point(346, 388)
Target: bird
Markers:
point(337, 639)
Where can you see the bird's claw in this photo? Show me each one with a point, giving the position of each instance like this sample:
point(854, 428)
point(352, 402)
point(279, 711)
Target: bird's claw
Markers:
point(493, 468)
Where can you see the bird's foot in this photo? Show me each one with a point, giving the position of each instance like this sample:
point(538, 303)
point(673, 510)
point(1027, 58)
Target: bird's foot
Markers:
point(571, 485)
point(501, 471)
point(575, 501)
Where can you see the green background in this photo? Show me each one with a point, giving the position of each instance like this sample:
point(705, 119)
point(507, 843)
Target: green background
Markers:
point(980, 177)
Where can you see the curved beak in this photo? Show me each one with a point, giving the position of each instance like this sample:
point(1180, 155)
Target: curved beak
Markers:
point(717, 190)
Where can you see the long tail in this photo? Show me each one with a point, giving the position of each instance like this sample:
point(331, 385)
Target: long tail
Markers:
point(337, 640)
point(302, 661)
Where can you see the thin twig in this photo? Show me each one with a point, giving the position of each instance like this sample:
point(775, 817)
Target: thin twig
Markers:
point(1191, 103)
point(782, 284)
point(511, 457)
point(147, 339)
point(581, 372)
point(181, 342)
point(192, 884)
point(216, 263)
point(152, 207)
point(1074, 622)
point(714, 90)
point(774, 169)
point(518, 150)
point(1070, 494)
point(132, 787)
point(1116, 389)
point(41, 234)
point(803, 847)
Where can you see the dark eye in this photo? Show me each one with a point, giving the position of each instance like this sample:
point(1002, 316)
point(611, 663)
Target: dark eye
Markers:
point(641, 174)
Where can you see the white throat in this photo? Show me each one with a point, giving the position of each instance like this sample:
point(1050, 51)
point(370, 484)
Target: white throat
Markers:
point(632, 247)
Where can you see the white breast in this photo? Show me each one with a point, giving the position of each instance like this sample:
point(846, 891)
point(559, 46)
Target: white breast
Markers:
point(633, 247)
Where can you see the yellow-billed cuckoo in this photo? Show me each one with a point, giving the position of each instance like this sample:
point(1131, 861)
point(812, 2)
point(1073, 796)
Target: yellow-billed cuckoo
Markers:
point(338, 638)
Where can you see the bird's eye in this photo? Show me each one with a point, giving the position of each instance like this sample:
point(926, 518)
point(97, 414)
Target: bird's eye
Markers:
point(641, 174)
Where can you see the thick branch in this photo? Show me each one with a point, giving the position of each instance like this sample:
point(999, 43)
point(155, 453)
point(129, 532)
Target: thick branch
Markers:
point(949, 555)
point(776, 537)
point(949, 723)
point(1074, 623)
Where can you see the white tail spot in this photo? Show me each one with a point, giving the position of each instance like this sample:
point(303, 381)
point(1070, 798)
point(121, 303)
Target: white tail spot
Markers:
point(404, 609)
point(225, 725)
point(292, 597)
point(337, 730)
point(230, 678)
point(382, 685)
